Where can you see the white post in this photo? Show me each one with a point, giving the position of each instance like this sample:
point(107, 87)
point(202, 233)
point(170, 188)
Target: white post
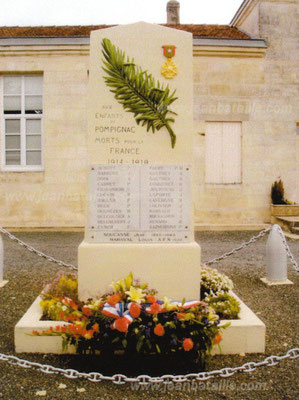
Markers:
point(276, 259)
point(2, 282)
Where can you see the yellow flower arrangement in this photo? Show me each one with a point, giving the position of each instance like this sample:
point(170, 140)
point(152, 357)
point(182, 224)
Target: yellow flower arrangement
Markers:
point(136, 294)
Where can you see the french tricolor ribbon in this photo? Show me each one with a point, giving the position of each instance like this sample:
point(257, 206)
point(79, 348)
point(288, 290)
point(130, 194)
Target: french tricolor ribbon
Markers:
point(118, 311)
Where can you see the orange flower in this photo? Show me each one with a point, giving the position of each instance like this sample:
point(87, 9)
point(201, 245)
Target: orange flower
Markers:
point(217, 338)
point(121, 324)
point(73, 304)
point(155, 308)
point(188, 344)
point(159, 330)
point(135, 310)
point(151, 299)
point(95, 327)
point(62, 315)
point(89, 334)
point(87, 311)
point(114, 299)
point(180, 315)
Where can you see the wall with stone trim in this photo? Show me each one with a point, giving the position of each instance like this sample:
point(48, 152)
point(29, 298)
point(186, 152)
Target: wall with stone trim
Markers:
point(263, 94)
point(56, 196)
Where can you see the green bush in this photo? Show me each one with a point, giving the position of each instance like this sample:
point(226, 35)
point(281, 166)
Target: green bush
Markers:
point(277, 193)
point(226, 306)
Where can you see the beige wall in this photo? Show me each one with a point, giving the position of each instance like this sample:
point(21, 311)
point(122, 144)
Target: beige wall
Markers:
point(56, 196)
point(263, 94)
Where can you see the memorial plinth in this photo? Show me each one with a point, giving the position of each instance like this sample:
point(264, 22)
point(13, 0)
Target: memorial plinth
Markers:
point(140, 214)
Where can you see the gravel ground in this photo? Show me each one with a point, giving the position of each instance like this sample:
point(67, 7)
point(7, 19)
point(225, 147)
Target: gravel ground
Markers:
point(276, 306)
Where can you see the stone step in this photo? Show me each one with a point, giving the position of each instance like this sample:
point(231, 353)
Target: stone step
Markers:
point(292, 220)
point(290, 224)
point(292, 236)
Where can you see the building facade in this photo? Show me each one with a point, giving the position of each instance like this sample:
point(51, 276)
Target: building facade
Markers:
point(245, 119)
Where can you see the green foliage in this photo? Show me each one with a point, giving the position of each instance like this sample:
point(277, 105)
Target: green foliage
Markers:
point(214, 289)
point(277, 193)
point(137, 90)
point(65, 285)
point(226, 306)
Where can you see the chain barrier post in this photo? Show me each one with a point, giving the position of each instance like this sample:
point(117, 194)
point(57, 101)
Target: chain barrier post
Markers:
point(276, 259)
point(2, 282)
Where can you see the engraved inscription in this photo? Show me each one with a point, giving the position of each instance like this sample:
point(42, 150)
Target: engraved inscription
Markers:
point(139, 203)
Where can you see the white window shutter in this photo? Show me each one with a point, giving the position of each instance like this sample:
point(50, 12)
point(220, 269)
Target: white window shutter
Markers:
point(231, 152)
point(213, 160)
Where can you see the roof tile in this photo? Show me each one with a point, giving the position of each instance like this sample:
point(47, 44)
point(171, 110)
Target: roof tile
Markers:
point(210, 31)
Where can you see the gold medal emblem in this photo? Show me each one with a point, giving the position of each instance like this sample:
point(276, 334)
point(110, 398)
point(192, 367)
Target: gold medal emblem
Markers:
point(169, 70)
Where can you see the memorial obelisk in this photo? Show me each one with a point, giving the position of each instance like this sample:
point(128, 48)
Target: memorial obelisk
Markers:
point(140, 156)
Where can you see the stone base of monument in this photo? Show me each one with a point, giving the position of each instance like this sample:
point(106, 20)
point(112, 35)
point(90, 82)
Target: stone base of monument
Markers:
point(173, 269)
point(245, 335)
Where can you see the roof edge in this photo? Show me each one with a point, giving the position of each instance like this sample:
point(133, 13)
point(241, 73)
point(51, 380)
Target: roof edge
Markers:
point(205, 41)
point(244, 6)
point(81, 41)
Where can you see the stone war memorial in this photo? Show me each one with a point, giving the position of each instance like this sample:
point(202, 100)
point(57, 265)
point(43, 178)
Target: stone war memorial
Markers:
point(140, 164)
point(139, 218)
point(137, 169)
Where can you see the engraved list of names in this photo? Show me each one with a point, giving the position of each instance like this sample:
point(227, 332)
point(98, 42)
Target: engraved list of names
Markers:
point(139, 203)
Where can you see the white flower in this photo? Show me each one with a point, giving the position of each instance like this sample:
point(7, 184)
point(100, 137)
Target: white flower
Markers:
point(81, 390)
point(215, 281)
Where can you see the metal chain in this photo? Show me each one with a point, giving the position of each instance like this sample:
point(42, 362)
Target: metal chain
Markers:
point(120, 379)
point(213, 261)
point(37, 252)
point(252, 240)
point(290, 255)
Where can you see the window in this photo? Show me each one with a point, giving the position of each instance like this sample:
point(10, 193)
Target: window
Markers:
point(22, 122)
point(223, 152)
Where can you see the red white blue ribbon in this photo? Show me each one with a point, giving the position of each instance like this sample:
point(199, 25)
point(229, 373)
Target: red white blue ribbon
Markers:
point(118, 311)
